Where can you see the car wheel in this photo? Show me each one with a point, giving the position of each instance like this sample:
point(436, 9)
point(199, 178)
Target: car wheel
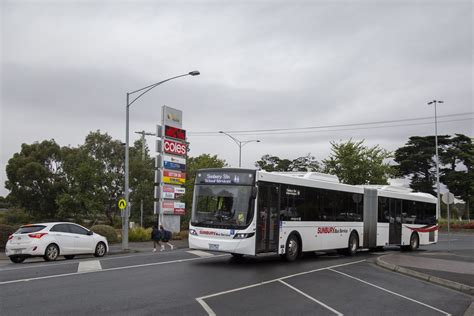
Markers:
point(100, 250)
point(353, 244)
point(69, 257)
point(292, 248)
point(51, 253)
point(17, 259)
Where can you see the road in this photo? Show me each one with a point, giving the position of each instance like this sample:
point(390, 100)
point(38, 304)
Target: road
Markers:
point(185, 282)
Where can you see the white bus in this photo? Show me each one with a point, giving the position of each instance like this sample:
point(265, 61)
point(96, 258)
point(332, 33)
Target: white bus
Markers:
point(249, 212)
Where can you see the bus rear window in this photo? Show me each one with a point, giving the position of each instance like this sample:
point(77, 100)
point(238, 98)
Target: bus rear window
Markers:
point(29, 229)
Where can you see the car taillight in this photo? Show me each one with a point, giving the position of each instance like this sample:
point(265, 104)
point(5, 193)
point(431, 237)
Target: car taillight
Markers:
point(10, 237)
point(37, 235)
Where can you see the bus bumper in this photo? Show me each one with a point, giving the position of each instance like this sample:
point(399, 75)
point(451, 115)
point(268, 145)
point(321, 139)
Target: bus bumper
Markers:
point(244, 246)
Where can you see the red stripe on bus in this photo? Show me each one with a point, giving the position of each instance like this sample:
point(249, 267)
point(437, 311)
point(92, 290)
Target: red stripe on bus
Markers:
point(425, 229)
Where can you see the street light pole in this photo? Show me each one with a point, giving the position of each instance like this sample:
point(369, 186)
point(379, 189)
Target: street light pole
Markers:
point(142, 91)
point(438, 210)
point(240, 144)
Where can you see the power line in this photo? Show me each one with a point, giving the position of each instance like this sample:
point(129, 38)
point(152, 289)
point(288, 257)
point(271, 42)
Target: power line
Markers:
point(341, 129)
point(267, 131)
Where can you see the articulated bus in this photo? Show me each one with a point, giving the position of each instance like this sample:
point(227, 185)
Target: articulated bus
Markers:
point(250, 212)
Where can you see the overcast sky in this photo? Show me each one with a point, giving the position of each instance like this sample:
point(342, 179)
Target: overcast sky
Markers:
point(67, 65)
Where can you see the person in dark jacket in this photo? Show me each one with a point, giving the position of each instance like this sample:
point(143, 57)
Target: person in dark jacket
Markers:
point(156, 235)
point(166, 236)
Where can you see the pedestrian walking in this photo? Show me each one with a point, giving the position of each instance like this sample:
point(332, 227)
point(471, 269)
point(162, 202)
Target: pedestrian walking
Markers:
point(166, 236)
point(156, 235)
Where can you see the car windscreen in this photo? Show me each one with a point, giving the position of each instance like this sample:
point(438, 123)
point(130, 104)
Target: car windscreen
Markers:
point(29, 229)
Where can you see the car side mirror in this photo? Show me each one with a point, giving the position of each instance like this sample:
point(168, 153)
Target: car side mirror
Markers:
point(90, 233)
point(254, 192)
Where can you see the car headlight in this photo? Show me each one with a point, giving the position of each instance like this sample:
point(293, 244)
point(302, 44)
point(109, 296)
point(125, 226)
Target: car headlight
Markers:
point(243, 235)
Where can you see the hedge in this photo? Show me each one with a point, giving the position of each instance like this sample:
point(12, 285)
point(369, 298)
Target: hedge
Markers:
point(106, 231)
point(139, 234)
point(5, 231)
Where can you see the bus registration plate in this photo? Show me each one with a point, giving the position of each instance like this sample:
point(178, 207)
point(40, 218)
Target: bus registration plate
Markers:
point(213, 246)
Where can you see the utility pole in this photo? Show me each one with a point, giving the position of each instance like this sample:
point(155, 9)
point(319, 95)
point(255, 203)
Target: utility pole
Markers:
point(143, 133)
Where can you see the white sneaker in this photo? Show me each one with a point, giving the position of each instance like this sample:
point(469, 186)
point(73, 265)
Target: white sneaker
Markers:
point(162, 248)
point(154, 249)
point(172, 247)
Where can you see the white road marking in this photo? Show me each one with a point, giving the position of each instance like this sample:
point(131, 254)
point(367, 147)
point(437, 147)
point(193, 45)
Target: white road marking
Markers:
point(391, 292)
point(111, 269)
point(39, 264)
point(200, 253)
point(88, 266)
point(206, 307)
point(210, 312)
point(311, 298)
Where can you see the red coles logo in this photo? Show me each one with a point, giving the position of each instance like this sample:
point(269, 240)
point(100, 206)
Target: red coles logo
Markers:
point(175, 148)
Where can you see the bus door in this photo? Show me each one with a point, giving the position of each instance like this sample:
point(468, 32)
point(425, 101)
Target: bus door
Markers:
point(267, 217)
point(395, 226)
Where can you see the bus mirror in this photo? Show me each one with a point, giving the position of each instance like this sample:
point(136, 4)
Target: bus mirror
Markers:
point(254, 192)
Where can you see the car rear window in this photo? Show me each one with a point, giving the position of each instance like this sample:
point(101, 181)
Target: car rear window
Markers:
point(29, 229)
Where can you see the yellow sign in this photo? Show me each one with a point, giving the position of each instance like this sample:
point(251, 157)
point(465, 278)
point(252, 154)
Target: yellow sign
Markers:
point(122, 204)
point(172, 180)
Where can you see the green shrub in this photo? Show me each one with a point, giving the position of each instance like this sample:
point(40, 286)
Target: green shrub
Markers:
point(106, 231)
point(5, 231)
point(139, 234)
point(15, 218)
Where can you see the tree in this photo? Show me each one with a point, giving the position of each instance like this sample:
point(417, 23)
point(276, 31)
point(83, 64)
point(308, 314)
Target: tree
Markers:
point(34, 178)
point(142, 175)
point(192, 165)
point(305, 163)
point(108, 157)
point(354, 163)
point(458, 171)
point(273, 163)
point(417, 160)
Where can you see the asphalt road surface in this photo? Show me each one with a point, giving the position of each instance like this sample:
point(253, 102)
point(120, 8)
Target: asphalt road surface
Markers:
point(185, 282)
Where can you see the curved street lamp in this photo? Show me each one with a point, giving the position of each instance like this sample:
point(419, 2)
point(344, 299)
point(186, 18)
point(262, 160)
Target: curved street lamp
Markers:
point(240, 144)
point(141, 92)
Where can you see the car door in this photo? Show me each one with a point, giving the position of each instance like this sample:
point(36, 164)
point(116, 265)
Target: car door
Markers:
point(83, 243)
point(63, 237)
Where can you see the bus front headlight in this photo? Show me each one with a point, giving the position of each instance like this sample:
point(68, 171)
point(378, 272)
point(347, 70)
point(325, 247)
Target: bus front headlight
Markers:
point(193, 232)
point(243, 235)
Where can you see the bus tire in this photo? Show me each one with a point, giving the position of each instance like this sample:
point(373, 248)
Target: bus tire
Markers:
point(414, 242)
point(292, 249)
point(352, 244)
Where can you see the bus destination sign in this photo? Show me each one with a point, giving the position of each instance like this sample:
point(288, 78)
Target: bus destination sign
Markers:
point(223, 177)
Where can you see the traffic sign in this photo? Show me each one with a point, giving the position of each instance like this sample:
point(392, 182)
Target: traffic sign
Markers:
point(122, 204)
point(448, 198)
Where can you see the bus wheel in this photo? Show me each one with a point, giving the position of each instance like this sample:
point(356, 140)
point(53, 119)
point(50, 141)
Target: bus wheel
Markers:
point(292, 248)
point(414, 242)
point(353, 244)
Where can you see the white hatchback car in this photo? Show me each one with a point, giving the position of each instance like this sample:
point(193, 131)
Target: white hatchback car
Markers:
point(50, 240)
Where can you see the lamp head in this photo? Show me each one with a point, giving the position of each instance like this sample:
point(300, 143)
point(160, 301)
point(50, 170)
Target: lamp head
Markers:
point(194, 73)
point(221, 132)
point(258, 141)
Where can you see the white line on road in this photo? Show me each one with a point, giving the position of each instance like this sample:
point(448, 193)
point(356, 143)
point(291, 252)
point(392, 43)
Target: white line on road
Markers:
point(200, 253)
point(88, 266)
point(111, 269)
point(210, 312)
point(30, 265)
point(311, 298)
point(391, 292)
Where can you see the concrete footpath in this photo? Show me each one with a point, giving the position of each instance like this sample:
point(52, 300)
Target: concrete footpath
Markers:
point(453, 268)
point(146, 246)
